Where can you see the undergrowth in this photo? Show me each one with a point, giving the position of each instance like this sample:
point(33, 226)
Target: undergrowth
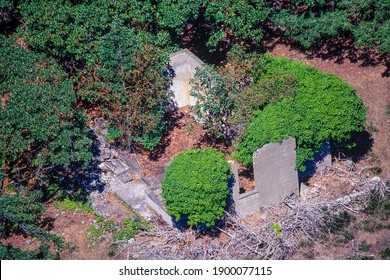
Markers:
point(115, 231)
point(71, 205)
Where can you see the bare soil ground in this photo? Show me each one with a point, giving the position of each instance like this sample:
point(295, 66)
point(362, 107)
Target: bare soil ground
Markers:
point(73, 227)
point(184, 135)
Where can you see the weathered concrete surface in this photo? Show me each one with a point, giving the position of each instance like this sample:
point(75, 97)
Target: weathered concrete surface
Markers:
point(116, 166)
point(125, 176)
point(275, 173)
point(133, 193)
point(184, 64)
point(154, 202)
point(132, 164)
point(247, 203)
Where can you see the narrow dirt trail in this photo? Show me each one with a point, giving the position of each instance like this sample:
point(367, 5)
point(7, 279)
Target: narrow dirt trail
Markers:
point(370, 86)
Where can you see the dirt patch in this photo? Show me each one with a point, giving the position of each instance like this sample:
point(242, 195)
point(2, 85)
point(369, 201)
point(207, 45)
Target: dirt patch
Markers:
point(370, 86)
point(21, 242)
point(184, 135)
point(73, 227)
point(246, 180)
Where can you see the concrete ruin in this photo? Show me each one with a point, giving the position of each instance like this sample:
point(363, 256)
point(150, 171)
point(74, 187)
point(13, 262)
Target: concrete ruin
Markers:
point(247, 203)
point(274, 167)
point(275, 176)
point(184, 64)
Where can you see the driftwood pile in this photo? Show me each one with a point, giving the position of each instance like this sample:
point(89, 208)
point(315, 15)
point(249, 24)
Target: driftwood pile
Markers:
point(236, 240)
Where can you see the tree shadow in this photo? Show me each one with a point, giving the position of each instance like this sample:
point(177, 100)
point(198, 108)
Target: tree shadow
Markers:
point(9, 20)
point(206, 140)
point(312, 165)
point(48, 223)
point(82, 182)
point(340, 49)
point(363, 145)
point(195, 36)
point(172, 119)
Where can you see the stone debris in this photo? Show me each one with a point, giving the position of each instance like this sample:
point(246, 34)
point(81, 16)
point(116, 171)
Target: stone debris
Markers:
point(125, 176)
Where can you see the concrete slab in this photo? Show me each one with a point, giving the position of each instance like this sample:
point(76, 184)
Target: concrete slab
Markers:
point(133, 193)
point(184, 64)
point(275, 172)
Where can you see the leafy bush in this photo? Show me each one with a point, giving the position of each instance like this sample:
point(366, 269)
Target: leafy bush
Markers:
point(257, 96)
point(379, 208)
point(100, 230)
point(364, 246)
point(195, 186)
point(104, 229)
point(370, 225)
point(337, 223)
point(222, 107)
point(214, 101)
point(324, 108)
point(277, 229)
point(113, 133)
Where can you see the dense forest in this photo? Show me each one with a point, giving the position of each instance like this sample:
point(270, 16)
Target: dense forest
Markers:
point(62, 61)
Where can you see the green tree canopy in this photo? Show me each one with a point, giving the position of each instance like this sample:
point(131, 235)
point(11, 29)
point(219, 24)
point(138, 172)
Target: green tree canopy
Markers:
point(310, 22)
point(40, 126)
point(20, 215)
point(74, 29)
point(241, 19)
point(173, 15)
point(324, 108)
point(129, 85)
point(218, 91)
point(214, 101)
point(195, 186)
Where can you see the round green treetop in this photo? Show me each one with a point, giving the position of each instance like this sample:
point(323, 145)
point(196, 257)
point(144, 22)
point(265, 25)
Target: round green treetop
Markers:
point(195, 186)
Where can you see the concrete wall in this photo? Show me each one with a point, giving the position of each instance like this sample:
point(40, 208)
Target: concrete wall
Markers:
point(275, 172)
point(184, 64)
point(246, 203)
point(155, 204)
point(275, 176)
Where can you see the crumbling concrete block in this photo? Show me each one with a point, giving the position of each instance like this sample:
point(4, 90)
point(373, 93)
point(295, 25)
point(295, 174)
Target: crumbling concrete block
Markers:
point(275, 171)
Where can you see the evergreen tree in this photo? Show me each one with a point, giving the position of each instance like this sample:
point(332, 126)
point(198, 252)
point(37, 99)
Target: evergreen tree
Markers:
point(41, 130)
point(130, 85)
